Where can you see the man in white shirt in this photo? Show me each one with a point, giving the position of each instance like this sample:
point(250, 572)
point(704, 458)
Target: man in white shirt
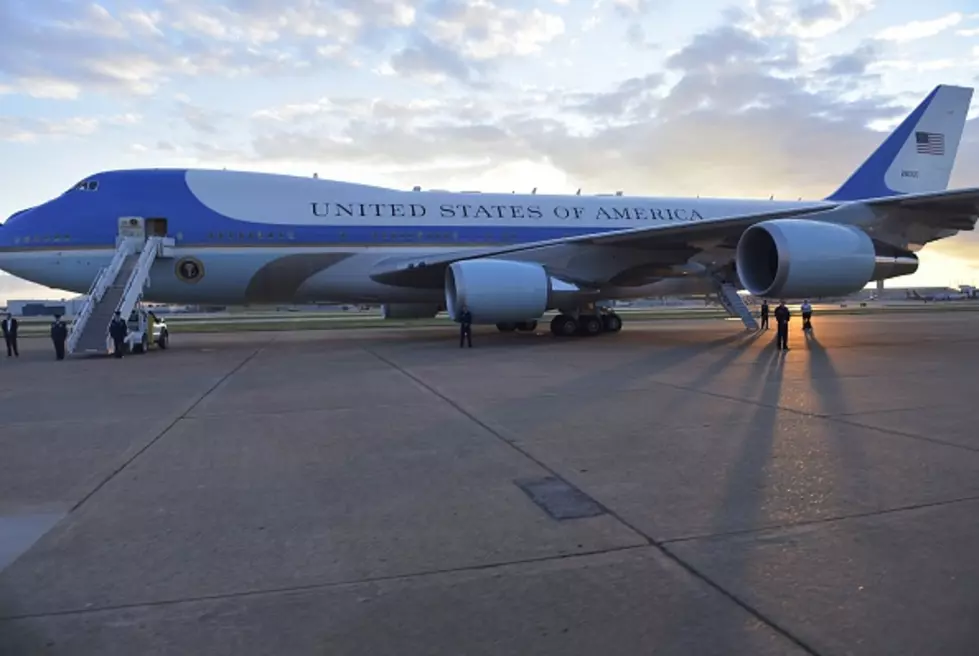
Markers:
point(806, 315)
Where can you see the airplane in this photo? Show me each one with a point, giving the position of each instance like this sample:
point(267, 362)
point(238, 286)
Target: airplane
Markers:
point(913, 295)
point(241, 237)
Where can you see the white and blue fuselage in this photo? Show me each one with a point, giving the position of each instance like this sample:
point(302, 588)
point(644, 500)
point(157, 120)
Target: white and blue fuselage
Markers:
point(266, 238)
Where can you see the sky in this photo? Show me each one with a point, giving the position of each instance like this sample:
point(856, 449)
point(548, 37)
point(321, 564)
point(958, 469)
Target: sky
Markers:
point(726, 98)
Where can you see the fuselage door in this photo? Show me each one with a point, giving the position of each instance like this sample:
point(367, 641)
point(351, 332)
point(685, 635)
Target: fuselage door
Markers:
point(132, 226)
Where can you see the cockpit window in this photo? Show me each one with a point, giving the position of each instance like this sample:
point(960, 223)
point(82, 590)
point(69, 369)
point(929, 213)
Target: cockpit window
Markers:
point(86, 185)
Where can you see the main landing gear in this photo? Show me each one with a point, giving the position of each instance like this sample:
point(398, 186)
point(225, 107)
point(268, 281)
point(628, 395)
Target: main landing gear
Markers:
point(588, 325)
point(569, 325)
point(523, 326)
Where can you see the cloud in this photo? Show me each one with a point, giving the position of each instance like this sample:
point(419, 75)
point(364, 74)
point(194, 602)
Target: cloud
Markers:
point(26, 130)
point(808, 19)
point(57, 49)
point(464, 40)
point(735, 120)
point(919, 29)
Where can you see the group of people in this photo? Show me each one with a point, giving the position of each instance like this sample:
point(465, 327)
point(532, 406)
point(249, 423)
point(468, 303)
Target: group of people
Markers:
point(59, 335)
point(11, 328)
point(782, 316)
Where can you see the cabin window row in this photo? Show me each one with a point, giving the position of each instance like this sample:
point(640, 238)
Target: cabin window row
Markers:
point(42, 239)
point(375, 236)
point(251, 235)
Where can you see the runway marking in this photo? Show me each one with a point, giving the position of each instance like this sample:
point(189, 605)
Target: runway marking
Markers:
point(652, 542)
point(840, 418)
point(183, 415)
point(817, 522)
point(328, 585)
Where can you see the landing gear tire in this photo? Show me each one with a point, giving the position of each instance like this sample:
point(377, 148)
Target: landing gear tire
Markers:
point(564, 326)
point(611, 323)
point(589, 325)
point(164, 341)
point(527, 326)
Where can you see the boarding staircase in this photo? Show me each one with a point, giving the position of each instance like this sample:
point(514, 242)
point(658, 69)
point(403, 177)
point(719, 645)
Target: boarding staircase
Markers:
point(729, 298)
point(117, 287)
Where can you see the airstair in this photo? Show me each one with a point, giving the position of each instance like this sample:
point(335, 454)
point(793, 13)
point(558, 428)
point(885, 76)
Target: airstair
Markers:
point(728, 296)
point(118, 287)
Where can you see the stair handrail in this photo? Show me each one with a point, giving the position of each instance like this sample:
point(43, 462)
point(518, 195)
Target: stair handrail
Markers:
point(80, 319)
point(96, 291)
point(139, 275)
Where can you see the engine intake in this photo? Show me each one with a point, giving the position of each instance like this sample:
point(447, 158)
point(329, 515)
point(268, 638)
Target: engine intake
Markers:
point(501, 291)
point(795, 258)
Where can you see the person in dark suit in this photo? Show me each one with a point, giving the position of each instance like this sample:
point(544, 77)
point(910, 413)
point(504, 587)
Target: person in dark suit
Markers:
point(782, 316)
point(118, 331)
point(764, 315)
point(9, 327)
point(465, 327)
point(59, 335)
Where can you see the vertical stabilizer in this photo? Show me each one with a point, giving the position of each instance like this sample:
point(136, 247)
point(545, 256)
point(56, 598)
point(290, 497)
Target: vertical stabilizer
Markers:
point(919, 154)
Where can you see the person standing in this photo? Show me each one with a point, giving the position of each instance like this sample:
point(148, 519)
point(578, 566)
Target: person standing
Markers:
point(59, 335)
point(10, 335)
point(782, 316)
point(118, 331)
point(764, 315)
point(465, 327)
point(806, 315)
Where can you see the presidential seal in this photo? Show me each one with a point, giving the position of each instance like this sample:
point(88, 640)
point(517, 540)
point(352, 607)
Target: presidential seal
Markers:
point(190, 269)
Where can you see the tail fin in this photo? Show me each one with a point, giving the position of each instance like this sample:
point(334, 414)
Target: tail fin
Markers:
point(918, 156)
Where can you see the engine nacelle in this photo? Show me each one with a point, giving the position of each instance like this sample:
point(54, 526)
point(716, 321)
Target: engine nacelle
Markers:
point(797, 258)
point(501, 291)
point(409, 310)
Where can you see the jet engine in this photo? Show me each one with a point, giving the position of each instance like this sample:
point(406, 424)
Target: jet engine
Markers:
point(501, 291)
point(800, 258)
point(409, 310)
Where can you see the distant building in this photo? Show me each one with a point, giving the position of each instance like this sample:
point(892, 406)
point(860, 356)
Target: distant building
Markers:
point(46, 308)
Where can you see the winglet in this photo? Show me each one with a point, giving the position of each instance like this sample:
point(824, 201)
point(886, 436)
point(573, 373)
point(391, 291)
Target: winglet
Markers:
point(918, 155)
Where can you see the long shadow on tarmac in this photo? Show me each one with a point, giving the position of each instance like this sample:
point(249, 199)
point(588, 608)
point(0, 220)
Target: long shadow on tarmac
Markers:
point(745, 492)
point(825, 383)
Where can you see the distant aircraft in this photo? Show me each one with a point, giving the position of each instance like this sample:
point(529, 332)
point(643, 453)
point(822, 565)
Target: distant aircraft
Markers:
point(941, 296)
point(231, 237)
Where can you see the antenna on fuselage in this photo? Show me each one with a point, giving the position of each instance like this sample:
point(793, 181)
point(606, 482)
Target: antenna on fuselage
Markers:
point(533, 191)
point(316, 176)
point(578, 193)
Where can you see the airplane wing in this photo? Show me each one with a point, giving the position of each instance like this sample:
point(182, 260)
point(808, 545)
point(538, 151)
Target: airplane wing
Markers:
point(429, 271)
point(955, 210)
point(957, 201)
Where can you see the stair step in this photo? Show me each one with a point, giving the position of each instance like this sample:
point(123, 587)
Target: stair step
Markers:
point(95, 329)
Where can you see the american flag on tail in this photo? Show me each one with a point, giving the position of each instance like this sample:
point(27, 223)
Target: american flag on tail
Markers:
point(930, 143)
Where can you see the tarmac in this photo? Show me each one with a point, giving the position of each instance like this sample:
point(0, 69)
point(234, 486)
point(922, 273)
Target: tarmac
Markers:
point(677, 488)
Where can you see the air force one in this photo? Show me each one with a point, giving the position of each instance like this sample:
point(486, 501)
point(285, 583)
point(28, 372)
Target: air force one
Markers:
point(230, 237)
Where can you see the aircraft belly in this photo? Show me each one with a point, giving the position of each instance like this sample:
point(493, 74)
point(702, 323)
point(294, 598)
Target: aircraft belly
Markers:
point(349, 280)
point(269, 276)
